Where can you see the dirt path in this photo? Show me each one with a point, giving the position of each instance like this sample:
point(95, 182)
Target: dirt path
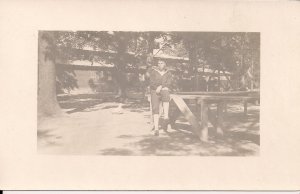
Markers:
point(96, 129)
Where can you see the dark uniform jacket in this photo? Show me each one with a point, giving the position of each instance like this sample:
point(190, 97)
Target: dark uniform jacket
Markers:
point(158, 78)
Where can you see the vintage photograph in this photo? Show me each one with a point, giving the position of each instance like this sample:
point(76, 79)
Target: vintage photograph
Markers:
point(148, 93)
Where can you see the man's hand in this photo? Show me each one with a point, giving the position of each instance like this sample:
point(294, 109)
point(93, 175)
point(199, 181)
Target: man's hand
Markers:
point(158, 89)
point(165, 88)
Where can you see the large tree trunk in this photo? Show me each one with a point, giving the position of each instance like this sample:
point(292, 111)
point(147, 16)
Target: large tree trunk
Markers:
point(47, 102)
point(121, 81)
point(120, 63)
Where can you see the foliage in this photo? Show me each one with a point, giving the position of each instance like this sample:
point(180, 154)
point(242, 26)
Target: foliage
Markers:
point(237, 53)
point(65, 81)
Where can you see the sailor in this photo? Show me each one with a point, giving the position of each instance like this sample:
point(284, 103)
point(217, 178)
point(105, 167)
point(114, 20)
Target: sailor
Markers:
point(160, 87)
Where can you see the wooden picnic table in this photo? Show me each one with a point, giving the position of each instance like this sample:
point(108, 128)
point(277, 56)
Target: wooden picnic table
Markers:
point(199, 120)
point(202, 109)
point(221, 101)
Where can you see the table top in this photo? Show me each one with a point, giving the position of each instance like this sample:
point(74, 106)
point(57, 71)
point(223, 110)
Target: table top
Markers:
point(217, 97)
point(227, 93)
point(212, 97)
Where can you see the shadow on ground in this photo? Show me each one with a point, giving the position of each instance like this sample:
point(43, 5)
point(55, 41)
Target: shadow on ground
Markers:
point(241, 134)
point(48, 138)
point(241, 138)
point(89, 102)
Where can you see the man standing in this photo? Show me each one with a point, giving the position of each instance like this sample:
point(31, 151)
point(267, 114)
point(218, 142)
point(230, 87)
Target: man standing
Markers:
point(160, 85)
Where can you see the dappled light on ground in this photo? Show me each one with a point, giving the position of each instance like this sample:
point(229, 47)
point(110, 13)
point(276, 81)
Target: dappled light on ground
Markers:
point(90, 127)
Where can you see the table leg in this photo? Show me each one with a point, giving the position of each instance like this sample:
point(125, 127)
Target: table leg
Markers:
point(204, 121)
point(198, 110)
point(220, 109)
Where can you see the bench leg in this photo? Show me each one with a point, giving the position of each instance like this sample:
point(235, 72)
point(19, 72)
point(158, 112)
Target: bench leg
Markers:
point(198, 110)
point(204, 121)
point(220, 114)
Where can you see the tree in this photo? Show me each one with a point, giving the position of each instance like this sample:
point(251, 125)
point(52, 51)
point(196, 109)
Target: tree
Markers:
point(235, 52)
point(47, 102)
point(121, 40)
point(125, 48)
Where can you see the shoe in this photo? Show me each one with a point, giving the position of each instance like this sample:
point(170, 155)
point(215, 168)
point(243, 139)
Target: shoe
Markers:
point(156, 133)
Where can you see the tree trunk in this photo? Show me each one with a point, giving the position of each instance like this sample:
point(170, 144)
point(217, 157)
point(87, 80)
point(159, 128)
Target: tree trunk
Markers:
point(151, 46)
point(121, 81)
point(193, 61)
point(120, 63)
point(219, 79)
point(47, 102)
point(252, 72)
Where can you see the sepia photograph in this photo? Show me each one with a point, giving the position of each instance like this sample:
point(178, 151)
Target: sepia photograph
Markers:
point(148, 93)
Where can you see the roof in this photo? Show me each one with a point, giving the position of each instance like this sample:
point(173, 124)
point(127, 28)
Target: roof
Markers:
point(100, 63)
point(89, 63)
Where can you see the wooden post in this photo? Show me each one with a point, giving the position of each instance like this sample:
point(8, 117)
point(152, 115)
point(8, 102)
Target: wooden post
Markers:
point(204, 121)
point(220, 109)
point(219, 82)
point(252, 73)
point(197, 110)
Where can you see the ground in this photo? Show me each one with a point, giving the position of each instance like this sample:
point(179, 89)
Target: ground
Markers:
point(92, 125)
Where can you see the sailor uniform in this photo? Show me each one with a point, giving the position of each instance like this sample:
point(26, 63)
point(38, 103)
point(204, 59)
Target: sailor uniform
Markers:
point(159, 78)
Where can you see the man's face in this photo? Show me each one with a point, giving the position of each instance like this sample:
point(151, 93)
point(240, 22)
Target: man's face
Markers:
point(161, 65)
